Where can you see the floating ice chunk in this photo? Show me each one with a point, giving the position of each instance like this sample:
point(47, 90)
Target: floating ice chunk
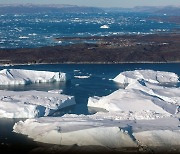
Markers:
point(104, 129)
point(76, 70)
point(33, 34)
point(30, 104)
point(82, 77)
point(23, 37)
point(70, 131)
point(144, 93)
point(146, 75)
point(19, 76)
point(60, 42)
point(56, 91)
point(104, 27)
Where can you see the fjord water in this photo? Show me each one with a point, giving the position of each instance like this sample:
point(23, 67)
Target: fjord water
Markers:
point(40, 29)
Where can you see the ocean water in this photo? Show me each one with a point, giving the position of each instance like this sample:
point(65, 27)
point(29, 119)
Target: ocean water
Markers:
point(40, 29)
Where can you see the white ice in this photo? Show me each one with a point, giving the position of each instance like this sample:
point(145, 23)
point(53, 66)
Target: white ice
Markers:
point(104, 26)
point(144, 92)
point(30, 104)
point(102, 129)
point(72, 130)
point(19, 76)
point(146, 75)
point(82, 77)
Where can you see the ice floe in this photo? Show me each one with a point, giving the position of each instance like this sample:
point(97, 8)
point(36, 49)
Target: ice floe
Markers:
point(82, 77)
point(19, 76)
point(30, 104)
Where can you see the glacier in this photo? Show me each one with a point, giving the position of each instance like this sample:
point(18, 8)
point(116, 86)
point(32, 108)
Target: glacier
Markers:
point(20, 76)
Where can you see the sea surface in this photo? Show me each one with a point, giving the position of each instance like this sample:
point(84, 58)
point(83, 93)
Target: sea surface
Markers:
point(40, 29)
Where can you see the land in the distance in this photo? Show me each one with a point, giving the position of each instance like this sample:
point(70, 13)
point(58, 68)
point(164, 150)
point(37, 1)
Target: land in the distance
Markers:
point(163, 47)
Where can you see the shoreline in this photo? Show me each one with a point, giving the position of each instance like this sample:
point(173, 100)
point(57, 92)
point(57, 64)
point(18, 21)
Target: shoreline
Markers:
point(88, 63)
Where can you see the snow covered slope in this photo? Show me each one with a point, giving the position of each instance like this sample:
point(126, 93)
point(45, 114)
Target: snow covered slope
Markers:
point(30, 104)
point(19, 76)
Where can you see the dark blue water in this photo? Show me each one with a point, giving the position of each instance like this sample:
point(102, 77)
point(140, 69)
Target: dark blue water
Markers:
point(36, 30)
point(98, 84)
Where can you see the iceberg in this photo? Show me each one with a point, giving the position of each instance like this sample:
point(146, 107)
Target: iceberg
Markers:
point(104, 27)
point(146, 75)
point(20, 76)
point(70, 130)
point(99, 129)
point(30, 104)
point(144, 92)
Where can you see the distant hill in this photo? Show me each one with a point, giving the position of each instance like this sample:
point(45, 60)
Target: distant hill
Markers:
point(169, 10)
point(29, 8)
